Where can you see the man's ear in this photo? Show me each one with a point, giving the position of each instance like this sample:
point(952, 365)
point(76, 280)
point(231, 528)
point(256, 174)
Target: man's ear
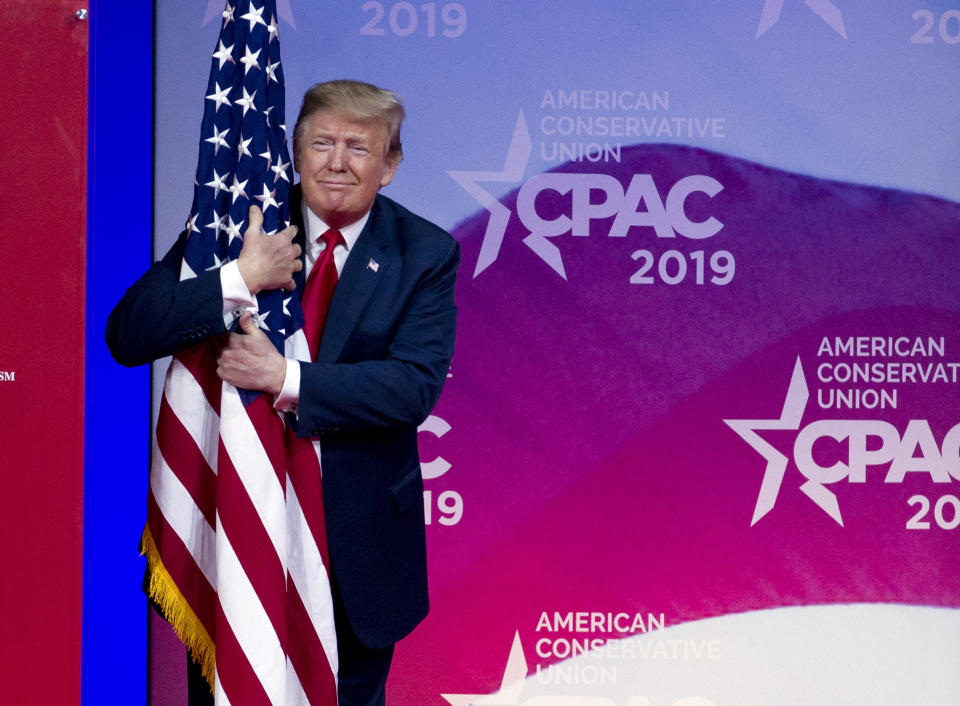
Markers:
point(393, 161)
point(296, 155)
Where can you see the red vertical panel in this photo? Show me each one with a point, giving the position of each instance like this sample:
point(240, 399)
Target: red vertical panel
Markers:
point(43, 137)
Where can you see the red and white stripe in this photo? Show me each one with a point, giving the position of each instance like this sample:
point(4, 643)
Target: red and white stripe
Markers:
point(236, 514)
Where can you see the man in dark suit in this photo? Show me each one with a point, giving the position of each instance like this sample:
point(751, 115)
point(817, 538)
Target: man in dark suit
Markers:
point(381, 362)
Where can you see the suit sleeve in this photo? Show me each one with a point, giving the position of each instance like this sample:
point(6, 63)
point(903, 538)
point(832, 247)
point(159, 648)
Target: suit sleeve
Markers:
point(400, 389)
point(161, 315)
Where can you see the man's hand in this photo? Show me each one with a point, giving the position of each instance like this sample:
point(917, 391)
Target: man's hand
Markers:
point(250, 360)
point(268, 261)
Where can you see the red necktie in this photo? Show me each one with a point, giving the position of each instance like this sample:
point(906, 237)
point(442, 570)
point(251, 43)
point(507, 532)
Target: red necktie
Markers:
point(319, 291)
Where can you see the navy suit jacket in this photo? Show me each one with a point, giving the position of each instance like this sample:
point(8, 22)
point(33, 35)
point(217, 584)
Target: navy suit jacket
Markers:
point(383, 358)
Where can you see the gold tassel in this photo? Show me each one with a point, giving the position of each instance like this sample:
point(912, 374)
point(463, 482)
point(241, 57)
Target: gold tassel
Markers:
point(162, 589)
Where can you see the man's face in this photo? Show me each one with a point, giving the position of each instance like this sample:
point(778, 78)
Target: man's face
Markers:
point(342, 163)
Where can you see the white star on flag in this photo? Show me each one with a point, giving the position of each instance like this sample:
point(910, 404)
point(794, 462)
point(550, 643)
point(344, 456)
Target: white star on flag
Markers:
point(217, 139)
point(224, 54)
point(267, 198)
point(249, 60)
point(280, 170)
point(219, 96)
point(217, 263)
point(271, 71)
point(248, 101)
point(232, 229)
point(217, 183)
point(243, 148)
point(214, 10)
point(254, 16)
point(237, 188)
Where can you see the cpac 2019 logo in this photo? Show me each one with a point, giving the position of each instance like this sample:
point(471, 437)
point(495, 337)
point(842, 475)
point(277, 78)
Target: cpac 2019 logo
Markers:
point(640, 204)
point(940, 461)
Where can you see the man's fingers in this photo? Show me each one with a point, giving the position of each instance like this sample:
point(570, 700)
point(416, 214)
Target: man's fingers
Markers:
point(255, 218)
point(248, 324)
point(290, 286)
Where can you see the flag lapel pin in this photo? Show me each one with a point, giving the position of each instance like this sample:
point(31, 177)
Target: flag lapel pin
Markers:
point(373, 265)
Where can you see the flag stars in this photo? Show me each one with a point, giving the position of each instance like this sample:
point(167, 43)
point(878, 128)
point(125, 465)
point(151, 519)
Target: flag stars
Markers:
point(232, 230)
point(218, 182)
point(273, 29)
point(219, 96)
point(247, 101)
point(266, 115)
point(254, 17)
point(224, 54)
point(228, 14)
point(266, 155)
point(216, 224)
point(249, 60)
point(280, 170)
point(271, 72)
point(191, 226)
point(237, 188)
point(243, 148)
point(217, 140)
point(217, 262)
point(267, 198)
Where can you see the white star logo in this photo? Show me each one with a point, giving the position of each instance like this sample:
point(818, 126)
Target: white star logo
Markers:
point(790, 416)
point(510, 687)
point(824, 9)
point(220, 96)
point(514, 167)
point(217, 140)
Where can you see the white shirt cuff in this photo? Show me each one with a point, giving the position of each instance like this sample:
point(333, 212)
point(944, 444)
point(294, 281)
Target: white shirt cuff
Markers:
point(236, 295)
point(289, 396)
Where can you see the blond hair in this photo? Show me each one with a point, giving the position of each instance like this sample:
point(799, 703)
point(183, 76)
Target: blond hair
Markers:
point(359, 100)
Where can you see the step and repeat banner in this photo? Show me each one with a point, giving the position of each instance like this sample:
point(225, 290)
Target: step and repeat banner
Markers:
point(700, 442)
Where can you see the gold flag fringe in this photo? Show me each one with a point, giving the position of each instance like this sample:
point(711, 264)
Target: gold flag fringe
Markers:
point(185, 623)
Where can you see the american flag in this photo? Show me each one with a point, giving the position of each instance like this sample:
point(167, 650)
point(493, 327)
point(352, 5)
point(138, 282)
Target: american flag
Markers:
point(235, 537)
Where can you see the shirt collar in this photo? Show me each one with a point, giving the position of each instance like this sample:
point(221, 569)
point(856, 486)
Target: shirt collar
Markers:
point(315, 227)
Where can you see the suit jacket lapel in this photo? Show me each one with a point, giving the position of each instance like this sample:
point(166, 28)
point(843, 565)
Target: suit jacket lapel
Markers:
point(357, 283)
